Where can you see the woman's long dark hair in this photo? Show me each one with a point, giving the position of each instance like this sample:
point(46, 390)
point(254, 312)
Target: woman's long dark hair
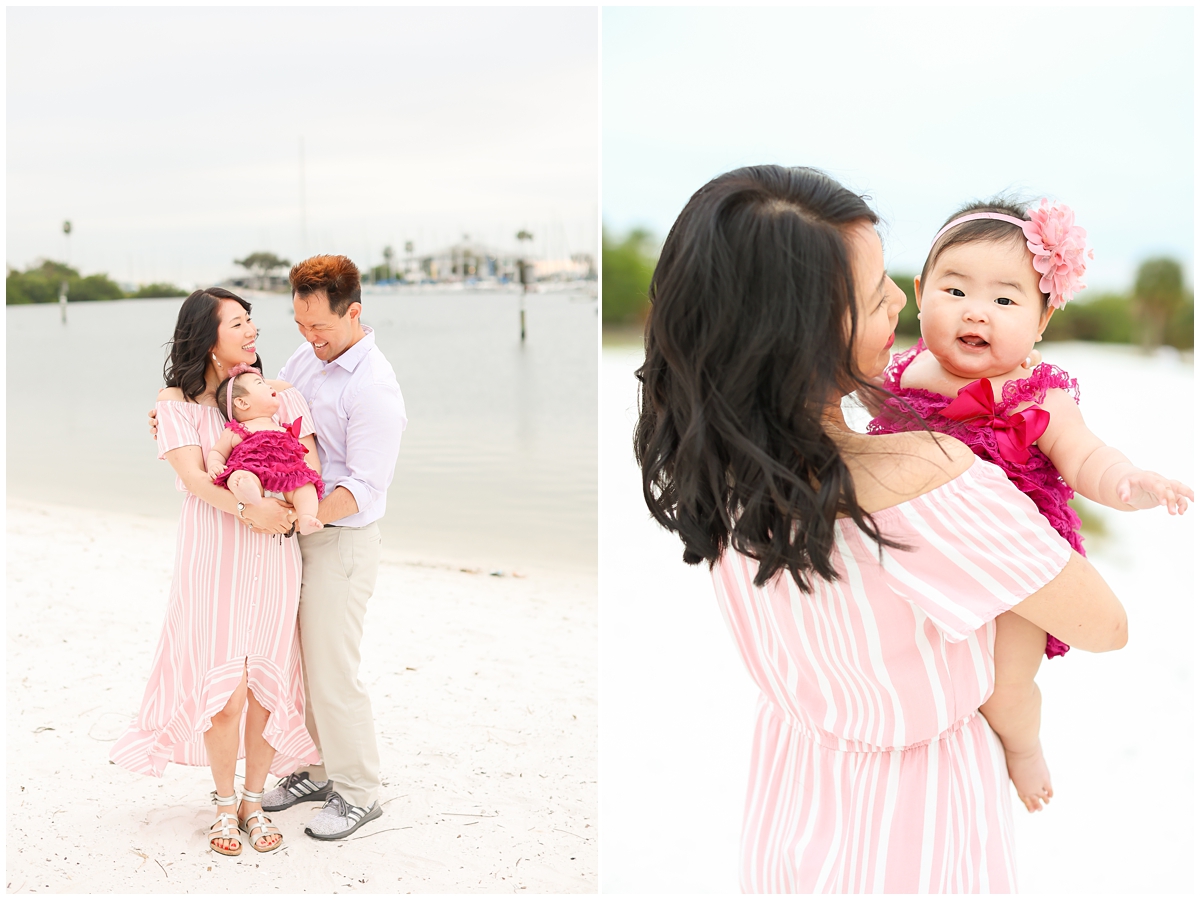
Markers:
point(746, 345)
point(195, 336)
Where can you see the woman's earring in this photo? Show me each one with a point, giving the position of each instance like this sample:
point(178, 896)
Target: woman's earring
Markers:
point(918, 315)
point(215, 360)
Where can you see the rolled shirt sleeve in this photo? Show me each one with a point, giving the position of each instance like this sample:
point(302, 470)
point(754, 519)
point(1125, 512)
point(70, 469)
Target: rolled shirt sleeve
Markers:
point(357, 409)
point(376, 422)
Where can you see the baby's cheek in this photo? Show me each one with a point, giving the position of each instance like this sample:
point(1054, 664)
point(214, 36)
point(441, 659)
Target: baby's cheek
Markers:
point(936, 338)
point(1014, 345)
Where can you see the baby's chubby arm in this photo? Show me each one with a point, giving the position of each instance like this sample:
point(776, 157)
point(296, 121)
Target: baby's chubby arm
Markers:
point(1100, 472)
point(219, 454)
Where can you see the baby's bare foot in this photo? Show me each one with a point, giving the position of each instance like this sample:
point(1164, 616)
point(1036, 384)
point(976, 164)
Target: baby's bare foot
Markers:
point(1030, 777)
point(308, 524)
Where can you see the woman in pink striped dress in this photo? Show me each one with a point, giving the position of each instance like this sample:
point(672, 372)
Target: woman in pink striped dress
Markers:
point(226, 680)
point(860, 575)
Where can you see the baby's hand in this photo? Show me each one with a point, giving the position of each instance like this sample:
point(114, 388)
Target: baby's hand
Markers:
point(214, 470)
point(1146, 490)
point(1033, 360)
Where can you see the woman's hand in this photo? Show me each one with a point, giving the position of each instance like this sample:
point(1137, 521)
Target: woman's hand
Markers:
point(269, 517)
point(154, 424)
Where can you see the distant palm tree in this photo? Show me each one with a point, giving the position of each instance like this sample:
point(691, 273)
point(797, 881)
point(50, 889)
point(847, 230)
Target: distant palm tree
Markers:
point(1157, 295)
point(524, 269)
point(264, 264)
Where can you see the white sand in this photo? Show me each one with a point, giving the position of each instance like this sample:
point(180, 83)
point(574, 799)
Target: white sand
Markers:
point(484, 691)
point(678, 705)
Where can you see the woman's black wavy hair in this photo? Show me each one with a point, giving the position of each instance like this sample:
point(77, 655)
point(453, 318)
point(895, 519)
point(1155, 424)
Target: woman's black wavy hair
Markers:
point(746, 345)
point(195, 336)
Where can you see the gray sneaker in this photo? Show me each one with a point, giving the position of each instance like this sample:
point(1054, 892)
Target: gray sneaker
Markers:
point(296, 788)
point(337, 819)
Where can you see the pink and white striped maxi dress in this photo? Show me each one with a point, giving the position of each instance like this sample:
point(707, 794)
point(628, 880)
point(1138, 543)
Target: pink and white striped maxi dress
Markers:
point(872, 769)
point(233, 603)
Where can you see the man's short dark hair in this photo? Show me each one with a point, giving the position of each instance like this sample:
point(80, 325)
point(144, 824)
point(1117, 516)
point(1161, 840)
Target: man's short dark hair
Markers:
point(337, 276)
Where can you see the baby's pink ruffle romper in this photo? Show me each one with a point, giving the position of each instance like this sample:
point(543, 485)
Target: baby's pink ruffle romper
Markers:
point(276, 457)
point(1036, 477)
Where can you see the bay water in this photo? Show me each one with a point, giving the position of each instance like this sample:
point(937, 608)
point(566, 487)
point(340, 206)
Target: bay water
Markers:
point(497, 467)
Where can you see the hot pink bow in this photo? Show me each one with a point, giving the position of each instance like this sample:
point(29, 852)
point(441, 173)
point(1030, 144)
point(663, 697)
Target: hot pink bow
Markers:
point(1014, 434)
point(293, 427)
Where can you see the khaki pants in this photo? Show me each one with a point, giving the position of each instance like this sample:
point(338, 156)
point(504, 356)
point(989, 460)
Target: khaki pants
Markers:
point(340, 565)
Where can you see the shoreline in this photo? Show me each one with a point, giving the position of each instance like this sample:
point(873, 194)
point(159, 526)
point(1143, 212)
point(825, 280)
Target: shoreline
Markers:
point(484, 695)
point(477, 564)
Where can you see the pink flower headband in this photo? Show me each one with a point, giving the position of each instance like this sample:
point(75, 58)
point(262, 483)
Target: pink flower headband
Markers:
point(1057, 245)
point(239, 369)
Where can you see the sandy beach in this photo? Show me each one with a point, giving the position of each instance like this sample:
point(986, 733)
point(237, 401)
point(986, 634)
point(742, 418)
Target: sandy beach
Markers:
point(484, 692)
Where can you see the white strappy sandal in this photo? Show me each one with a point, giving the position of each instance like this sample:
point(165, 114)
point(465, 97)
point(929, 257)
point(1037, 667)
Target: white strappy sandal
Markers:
point(226, 827)
point(258, 822)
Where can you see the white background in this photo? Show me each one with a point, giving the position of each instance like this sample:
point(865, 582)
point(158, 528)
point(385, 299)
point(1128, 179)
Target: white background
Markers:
point(924, 109)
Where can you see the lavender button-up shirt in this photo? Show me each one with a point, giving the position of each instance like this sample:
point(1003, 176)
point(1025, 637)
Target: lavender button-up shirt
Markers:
point(358, 414)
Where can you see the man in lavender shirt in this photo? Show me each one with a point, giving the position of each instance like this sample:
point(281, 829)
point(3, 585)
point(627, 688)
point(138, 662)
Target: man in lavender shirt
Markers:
point(358, 414)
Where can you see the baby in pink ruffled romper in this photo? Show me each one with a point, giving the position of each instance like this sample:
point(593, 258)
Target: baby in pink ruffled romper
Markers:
point(993, 278)
point(256, 453)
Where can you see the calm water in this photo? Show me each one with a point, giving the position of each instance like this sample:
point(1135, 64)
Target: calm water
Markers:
point(497, 466)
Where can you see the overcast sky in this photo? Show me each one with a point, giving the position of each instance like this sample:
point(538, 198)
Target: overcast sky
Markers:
point(923, 109)
point(171, 137)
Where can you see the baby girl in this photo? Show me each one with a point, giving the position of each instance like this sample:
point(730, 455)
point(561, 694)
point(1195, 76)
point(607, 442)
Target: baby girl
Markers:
point(993, 278)
point(257, 454)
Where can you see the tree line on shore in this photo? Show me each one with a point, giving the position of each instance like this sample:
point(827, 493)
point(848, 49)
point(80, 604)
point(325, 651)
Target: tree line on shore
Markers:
point(43, 281)
point(1156, 310)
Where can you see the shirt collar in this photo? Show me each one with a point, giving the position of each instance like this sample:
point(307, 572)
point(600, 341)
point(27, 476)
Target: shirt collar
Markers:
point(357, 353)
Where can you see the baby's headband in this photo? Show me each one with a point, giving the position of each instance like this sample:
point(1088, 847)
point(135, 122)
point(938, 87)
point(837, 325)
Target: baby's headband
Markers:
point(1001, 217)
point(1057, 245)
point(239, 369)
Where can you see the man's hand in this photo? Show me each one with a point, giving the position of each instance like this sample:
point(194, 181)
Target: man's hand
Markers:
point(154, 424)
point(269, 517)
